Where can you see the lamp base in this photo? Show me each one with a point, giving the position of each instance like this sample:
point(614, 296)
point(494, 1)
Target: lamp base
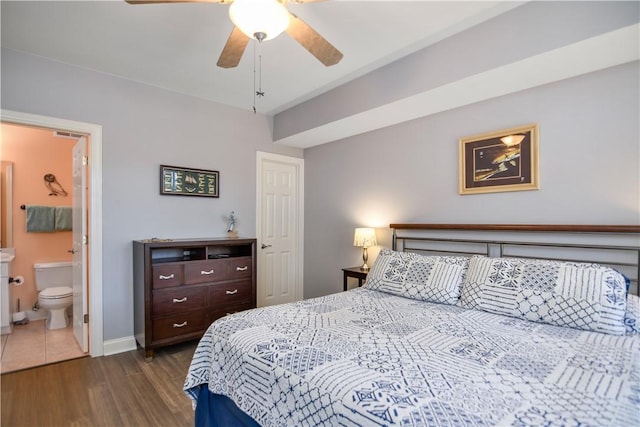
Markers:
point(365, 257)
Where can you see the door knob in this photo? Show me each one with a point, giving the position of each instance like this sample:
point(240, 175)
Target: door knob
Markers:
point(72, 251)
point(265, 246)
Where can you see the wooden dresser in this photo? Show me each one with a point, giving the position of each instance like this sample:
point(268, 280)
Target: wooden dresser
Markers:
point(181, 286)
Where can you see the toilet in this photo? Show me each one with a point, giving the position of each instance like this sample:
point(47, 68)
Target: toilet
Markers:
point(54, 281)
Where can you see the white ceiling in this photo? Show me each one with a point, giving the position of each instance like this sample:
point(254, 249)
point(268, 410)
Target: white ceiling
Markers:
point(176, 46)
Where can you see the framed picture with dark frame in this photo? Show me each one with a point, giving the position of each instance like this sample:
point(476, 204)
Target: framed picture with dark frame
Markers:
point(189, 182)
point(504, 160)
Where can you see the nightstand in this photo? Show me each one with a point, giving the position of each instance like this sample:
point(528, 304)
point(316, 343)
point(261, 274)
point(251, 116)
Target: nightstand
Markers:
point(356, 273)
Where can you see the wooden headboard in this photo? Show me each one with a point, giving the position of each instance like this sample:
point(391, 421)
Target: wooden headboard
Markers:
point(617, 246)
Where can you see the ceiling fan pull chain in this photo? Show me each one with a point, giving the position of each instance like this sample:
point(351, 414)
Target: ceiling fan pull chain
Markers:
point(254, 77)
point(260, 93)
point(257, 93)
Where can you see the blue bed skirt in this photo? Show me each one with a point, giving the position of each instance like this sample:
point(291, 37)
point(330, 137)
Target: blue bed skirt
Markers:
point(215, 410)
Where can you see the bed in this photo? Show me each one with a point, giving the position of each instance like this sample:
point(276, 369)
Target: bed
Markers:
point(455, 325)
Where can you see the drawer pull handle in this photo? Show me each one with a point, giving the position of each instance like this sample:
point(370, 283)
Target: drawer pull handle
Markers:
point(204, 273)
point(183, 299)
point(180, 325)
point(242, 268)
point(233, 292)
point(171, 276)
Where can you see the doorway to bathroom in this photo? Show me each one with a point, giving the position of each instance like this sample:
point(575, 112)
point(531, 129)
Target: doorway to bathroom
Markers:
point(86, 252)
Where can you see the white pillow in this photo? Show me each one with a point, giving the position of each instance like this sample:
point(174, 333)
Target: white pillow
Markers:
point(632, 315)
point(427, 278)
point(577, 295)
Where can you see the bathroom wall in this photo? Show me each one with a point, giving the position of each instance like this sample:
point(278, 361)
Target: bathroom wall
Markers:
point(34, 153)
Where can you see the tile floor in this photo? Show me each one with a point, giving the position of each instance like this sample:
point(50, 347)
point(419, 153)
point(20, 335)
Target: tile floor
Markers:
point(34, 345)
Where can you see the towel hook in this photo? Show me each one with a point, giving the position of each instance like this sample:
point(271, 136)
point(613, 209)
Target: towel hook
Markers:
point(53, 185)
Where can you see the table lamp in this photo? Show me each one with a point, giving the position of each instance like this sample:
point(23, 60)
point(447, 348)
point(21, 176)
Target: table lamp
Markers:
point(365, 238)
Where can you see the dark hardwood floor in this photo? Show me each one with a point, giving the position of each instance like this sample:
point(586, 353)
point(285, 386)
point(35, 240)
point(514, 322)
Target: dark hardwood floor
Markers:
point(120, 390)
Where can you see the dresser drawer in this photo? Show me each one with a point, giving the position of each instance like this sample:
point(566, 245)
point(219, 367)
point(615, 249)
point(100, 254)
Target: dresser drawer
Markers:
point(178, 300)
point(210, 270)
point(179, 324)
point(240, 268)
point(166, 276)
point(223, 294)
point(219, 312)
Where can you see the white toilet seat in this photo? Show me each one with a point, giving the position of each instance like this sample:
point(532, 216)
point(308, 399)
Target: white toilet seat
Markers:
point(56, 299)
point(57, 292)
point(54, 281)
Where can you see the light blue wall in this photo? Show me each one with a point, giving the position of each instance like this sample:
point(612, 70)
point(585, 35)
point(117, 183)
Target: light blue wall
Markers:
point(589, 163)
point(144, 127)
point(589, 139)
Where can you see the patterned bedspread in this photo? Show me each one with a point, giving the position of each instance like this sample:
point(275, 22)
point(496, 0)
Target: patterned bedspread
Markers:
point(370, 358)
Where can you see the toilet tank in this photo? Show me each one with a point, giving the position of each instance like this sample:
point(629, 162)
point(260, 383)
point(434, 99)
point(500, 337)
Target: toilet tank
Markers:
point(53, 274)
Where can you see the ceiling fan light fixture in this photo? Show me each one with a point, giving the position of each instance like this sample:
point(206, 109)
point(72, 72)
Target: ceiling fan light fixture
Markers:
point(268, 17)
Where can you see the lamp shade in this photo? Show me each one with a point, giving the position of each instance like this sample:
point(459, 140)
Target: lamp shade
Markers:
point(268, 17)
point(365, 237)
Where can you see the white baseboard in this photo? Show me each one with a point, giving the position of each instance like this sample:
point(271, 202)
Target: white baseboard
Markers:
point(119, 345)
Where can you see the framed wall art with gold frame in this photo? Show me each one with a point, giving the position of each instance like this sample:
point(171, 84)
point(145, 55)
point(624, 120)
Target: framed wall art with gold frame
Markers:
point(504, 160)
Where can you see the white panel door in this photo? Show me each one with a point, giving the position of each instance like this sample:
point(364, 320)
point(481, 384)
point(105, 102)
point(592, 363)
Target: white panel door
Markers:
point(280, 228)
point(80, 328)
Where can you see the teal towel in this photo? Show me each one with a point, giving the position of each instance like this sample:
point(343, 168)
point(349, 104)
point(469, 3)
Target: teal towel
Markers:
point(40, 218)
point(63, 218)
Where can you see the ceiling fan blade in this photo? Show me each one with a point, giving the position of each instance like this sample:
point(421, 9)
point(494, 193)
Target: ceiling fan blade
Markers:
point(309, 38)
point(176, 1)
point(233, 49)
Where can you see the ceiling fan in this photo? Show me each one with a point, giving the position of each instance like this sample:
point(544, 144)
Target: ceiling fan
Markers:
point(264, 20)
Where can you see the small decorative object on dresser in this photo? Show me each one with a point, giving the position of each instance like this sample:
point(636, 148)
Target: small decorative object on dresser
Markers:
point(181, 286)
point(232, 231)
